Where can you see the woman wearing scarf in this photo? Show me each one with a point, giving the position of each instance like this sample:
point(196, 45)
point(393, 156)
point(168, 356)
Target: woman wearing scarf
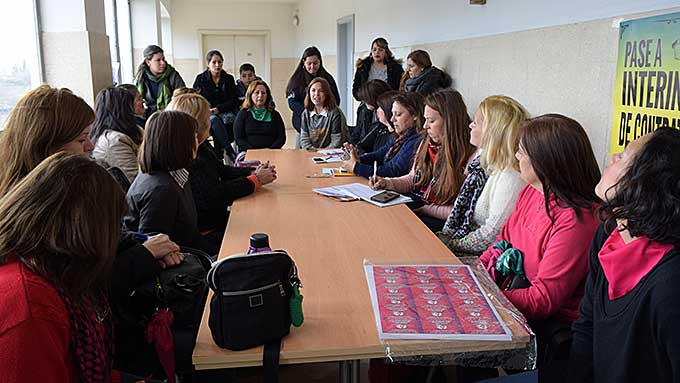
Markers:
point(258, 125)
point(438, 170)
point(395, 158)
point(56, 322)
point(489, 193)
point(421, 76)
point(628, 318)
point(156, 79)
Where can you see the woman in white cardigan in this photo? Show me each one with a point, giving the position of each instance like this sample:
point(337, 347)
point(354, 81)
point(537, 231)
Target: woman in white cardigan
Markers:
point(115, 133)
point(489, 193)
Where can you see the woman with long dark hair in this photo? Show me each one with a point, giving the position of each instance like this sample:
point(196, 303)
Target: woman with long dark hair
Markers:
point(309, 68)
point(156, 79)
point(395, 158)
point(440, 161)
point(59, 227)
point(114, 132)
point(628, 316)
point(364, 135)
point(219, 88)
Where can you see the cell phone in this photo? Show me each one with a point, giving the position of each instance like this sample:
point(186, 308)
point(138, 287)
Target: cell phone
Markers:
point(319, 160)
point(385, 196)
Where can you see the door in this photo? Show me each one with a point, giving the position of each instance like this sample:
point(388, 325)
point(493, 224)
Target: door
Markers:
point(224, 44)
point(346, 66)
point(239, 49)
point(250, 49)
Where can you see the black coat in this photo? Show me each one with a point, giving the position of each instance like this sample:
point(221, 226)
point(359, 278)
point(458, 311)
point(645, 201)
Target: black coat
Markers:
point(215, 186)
point(223, 96)
point(394, 73)
point(158, 205)
point(430, 81)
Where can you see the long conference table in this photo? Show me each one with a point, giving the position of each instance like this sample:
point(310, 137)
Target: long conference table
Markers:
point(329, 241)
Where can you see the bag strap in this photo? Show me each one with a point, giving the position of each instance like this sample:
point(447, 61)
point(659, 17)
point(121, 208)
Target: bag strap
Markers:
point(270, 361)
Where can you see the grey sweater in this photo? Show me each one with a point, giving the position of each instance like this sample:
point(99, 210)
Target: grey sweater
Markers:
point(325, 130)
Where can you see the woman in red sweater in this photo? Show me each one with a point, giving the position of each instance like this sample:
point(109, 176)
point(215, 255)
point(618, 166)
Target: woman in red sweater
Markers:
point(554, 220)
point(59, 228)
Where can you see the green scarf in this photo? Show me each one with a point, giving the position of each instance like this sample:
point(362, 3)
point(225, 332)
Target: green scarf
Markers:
point(261, 114)
point(164, 92)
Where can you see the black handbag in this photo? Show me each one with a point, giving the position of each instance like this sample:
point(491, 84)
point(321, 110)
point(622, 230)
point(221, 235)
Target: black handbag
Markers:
point(182, 289)
point(251, 305)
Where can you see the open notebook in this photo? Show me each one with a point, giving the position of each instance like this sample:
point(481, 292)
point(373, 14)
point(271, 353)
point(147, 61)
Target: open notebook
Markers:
point(360, 191)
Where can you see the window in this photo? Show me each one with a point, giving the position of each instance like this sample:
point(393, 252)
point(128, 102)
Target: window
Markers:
point(19, 54)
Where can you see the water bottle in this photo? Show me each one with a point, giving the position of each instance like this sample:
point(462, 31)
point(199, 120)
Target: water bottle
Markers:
point(259, 242)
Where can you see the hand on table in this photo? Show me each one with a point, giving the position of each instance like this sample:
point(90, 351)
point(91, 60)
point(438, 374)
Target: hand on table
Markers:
point(265, 173)
point(378, 183)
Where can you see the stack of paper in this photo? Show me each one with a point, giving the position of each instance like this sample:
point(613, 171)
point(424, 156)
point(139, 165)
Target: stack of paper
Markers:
point(360, 191)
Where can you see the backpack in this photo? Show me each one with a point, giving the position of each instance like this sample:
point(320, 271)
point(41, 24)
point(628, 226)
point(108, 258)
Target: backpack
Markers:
point(251, 304)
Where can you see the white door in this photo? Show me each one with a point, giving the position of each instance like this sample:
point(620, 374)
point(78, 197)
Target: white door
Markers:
point(224, 44)
point(251, 49)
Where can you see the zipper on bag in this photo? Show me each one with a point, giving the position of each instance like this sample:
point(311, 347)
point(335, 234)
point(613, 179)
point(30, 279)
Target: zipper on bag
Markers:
point(255, 290)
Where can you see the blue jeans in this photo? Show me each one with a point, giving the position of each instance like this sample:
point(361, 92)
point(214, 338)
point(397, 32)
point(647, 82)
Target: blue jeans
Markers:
point(222, 127)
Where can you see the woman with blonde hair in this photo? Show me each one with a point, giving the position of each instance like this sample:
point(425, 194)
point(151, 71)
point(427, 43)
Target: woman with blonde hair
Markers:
point(438, 169)
point(215, 186)
point(56, 322)
point(488, 195)
point(323, 123)
point(258, 125)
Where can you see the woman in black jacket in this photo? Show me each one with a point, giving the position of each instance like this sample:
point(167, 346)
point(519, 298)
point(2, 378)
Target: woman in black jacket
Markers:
point(214, 185)
point(423, 77)
point(310, 67)
point(629, 313)
point(219, 88)
point(258, 125)
point(379, 65)
point(160, 198)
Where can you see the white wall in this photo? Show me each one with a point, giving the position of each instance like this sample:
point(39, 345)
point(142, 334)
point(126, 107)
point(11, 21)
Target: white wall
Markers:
point(404, 23)
point(190, 16)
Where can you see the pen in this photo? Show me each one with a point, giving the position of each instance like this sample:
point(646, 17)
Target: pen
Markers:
point(375, 170)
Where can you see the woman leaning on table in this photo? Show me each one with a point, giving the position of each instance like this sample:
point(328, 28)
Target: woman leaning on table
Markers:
point(629, 314)
point(440, 162)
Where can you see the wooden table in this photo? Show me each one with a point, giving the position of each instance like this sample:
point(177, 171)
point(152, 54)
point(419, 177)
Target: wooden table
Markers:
point(329, 242)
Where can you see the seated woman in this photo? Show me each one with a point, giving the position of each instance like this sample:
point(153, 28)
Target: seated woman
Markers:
point(214, 185)
point(628, 316)
point(421, 76)
point(57, 120)
point(440, 162)
point(365, 135)
point(258, 125)
point(156, 79)
point(380, 65)
point(219, 88)
point(56, 321)
point(309, 67)
point(395, 158)
point(139, 109)
point(493, 182)
point(548, 235)
point(114, 132)
point(323, 123)
point(160, 198)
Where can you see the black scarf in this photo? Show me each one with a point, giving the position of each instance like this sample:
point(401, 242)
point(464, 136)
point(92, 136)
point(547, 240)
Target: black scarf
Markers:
point(459, 223)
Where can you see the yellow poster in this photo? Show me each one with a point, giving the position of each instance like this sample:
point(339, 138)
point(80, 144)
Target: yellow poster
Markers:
point(647, 87)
